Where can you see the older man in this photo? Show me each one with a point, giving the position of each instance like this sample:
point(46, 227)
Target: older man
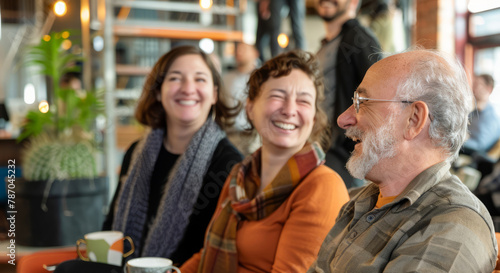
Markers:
point(409, 119)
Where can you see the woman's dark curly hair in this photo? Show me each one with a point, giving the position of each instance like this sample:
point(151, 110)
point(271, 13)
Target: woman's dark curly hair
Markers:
point(282, 65)
point(150, 111)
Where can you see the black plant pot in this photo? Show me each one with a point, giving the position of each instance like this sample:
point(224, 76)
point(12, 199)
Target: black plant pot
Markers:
point(71, 209)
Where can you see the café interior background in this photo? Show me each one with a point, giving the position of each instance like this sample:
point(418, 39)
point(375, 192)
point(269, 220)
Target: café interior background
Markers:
point(121, 40)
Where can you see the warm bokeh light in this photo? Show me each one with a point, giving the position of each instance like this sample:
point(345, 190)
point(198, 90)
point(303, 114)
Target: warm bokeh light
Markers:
point(65, 34)
point(206, 4)
point(85, 15)
point(43, 106)
point(283, 40)
point(66, 44)
point(46, 38)
point(60, 8)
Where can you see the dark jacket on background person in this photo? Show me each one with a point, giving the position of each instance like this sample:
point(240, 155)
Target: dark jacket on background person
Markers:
point(358, 49)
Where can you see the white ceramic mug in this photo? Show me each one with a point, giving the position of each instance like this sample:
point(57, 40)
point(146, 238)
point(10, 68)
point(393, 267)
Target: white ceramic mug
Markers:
point(150, 265)
point(104, 247)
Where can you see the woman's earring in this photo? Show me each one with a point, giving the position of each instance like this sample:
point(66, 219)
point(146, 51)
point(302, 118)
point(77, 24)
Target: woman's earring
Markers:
point(213, 112)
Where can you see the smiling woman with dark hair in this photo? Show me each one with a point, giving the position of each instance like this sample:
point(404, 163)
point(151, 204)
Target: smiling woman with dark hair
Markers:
point(278, 204)
point(171, 179)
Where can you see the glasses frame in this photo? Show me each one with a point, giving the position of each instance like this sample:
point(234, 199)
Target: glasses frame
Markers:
point(357, 100)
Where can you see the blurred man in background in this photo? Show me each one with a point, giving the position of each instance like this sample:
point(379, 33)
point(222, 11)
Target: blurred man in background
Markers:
point(347, 51)
point(484, 125)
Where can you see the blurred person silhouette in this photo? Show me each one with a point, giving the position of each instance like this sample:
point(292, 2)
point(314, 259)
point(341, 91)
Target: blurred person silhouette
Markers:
point(346, 53)
point(409, 119)
point(278, 204)
point(247, 59)
point(384, 18)
point(484, 125)
point(171, 179)
point(263, 33)
point(71, 80)
point(269, 25)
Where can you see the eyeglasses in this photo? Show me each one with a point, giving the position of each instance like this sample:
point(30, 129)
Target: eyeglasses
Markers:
point(357, 100)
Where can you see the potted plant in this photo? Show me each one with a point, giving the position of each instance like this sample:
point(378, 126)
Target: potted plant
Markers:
point(61, 197)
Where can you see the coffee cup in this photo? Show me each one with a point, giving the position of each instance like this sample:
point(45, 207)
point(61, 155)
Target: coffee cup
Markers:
point(104, 247)
point(150, 265)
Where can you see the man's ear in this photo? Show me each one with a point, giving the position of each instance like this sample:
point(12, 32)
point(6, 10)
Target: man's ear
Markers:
point(419, 114)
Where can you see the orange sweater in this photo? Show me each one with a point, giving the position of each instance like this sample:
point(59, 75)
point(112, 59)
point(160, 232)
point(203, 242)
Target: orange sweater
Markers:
point(289, 239)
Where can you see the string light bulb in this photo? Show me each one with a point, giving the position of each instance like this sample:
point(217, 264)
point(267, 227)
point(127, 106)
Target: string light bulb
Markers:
point(85, 14)
point(60, 8)
point(206, 4)
point(283, 40)
point(43, 106)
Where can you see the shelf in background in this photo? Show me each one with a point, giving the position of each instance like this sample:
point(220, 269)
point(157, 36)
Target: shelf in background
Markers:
point(128, 94)
point(179, 7)
point(132, 70)
point(183, 34)
point(124, 111)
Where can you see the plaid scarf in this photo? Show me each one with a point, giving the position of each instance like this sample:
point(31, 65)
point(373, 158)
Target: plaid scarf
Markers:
point(242, 203)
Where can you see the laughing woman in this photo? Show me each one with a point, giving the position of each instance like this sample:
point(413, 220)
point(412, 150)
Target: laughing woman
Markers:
point(278, 204)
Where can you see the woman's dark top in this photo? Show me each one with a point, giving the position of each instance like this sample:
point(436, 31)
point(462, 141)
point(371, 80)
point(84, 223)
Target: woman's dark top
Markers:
point(223, 159)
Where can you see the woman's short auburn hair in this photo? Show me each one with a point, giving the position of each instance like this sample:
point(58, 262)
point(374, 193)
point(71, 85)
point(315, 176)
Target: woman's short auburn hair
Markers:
point(282, 65)
point(150, 111)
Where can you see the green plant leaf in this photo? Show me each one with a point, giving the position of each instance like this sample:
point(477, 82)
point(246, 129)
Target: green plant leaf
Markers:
point(36, 123)
point(61, 140)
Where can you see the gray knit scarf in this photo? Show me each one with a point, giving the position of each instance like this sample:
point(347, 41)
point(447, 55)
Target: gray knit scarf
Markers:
point(178, 200)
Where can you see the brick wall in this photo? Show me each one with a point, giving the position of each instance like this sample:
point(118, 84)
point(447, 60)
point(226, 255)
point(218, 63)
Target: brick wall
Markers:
point(435, 21)
point(426, 27)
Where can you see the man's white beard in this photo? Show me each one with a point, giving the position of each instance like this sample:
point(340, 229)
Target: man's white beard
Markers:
point(375, 147)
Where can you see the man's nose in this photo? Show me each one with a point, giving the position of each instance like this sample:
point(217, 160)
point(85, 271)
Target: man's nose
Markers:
point(348, 118)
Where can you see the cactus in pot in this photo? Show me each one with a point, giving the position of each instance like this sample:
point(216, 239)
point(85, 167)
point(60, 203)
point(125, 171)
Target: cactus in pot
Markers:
point(61, 144)
point(61, 197)
point(47, 159)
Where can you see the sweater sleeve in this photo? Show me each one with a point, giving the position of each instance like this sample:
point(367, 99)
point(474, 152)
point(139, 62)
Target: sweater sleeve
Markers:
point(191, 265)
point(316, 204)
